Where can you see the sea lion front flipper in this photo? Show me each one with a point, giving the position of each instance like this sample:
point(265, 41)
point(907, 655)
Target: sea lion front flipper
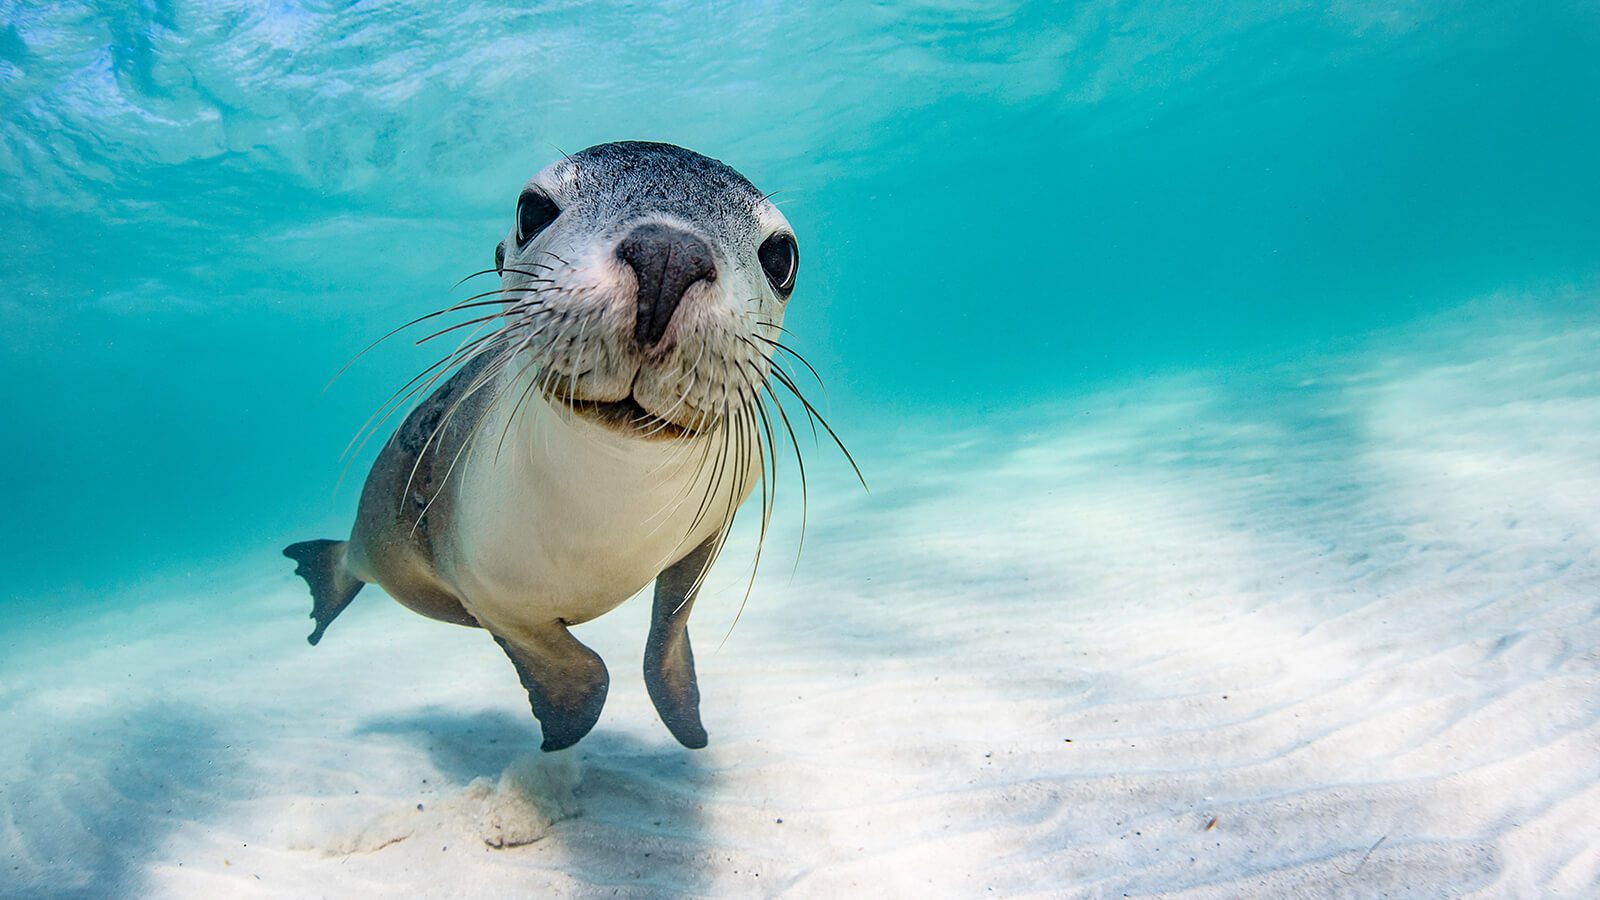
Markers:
point(668, 660)
point(566, 681)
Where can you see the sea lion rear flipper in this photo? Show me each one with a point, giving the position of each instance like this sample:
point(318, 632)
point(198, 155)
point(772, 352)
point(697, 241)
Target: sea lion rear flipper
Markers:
point(566, 681)
point(321, 564)
point(668, 660)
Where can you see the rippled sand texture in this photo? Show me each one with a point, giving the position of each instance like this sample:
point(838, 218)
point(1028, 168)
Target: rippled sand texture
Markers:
point(1330, 629)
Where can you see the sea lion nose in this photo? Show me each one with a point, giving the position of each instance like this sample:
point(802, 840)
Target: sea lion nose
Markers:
point(667, 261)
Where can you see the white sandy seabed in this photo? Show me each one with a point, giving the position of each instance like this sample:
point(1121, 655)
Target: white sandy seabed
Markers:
point(1327, 629)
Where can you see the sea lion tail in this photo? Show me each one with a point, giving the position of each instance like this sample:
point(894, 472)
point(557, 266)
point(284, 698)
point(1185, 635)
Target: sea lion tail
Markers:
point(321, 564)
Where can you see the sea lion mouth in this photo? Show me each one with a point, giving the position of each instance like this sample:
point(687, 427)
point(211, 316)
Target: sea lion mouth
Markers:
point(627, 417)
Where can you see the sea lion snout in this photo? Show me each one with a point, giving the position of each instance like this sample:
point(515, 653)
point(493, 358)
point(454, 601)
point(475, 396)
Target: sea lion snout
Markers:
point(667, 261)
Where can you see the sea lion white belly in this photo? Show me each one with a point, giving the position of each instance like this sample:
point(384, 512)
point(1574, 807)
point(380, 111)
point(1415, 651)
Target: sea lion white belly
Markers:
point(577, 519)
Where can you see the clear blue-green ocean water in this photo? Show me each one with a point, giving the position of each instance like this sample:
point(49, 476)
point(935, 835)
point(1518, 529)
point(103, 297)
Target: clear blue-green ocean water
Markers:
point(207, 208)
point(1225, 376)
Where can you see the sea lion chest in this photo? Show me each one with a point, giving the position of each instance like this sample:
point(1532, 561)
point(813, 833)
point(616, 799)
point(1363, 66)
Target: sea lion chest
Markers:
point(564, 522)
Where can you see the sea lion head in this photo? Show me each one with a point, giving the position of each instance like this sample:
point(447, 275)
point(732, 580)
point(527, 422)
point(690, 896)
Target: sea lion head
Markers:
point(647, 283)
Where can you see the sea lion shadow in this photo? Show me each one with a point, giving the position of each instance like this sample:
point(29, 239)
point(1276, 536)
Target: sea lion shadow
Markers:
point(635, 796)
point(91, 805)
point(646, 798)
point(463, 745)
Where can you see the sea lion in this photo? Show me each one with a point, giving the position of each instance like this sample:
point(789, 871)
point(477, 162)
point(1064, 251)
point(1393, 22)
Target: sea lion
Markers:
point(600, 436)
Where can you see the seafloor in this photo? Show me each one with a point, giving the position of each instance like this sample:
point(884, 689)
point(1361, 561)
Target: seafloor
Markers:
point(1329, 628)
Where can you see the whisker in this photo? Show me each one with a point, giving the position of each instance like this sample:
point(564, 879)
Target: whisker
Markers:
point(449, 360)
point(461, 356)
point(812, 412)
point(482, 379)
point(756, 565)
point(792, 352)
point(799, 462)
point(520, 310)
point(464, 304)
point(501, 269)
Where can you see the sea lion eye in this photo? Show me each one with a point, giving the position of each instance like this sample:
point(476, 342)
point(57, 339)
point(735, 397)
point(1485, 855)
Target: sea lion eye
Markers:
point(535, 212)
point(780, 258)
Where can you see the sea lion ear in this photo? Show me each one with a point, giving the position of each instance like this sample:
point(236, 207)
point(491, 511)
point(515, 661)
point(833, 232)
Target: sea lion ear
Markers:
point(500, 258)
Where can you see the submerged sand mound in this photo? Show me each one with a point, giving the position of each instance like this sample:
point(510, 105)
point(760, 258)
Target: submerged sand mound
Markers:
point(518, 808)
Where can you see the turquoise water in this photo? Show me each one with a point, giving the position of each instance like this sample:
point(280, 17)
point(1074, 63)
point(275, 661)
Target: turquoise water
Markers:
point(208, 208)
point(1224, 375)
